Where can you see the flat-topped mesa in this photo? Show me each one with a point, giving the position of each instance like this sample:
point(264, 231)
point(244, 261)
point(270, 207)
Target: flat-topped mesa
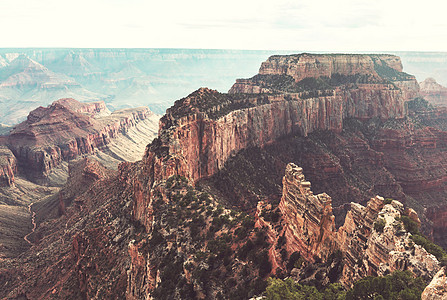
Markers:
point(205, 128)
point(306, 65)
point(372, 239)
point(65, 130)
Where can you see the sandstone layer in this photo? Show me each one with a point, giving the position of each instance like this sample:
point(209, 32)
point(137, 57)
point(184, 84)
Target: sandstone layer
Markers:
point(145, 232)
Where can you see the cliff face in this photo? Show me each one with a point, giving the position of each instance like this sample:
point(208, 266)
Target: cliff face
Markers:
point(309, 219)
point(207, 127)
point(93, 109)
point(144, 232)
point(310, 230)
point(432, 91)
point(8, 167)
point(313, 65)
point(68, 129)
point(438, 216)
point(200, 132)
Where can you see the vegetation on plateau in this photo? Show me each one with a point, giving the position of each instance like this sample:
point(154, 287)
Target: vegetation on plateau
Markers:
point(397, 286)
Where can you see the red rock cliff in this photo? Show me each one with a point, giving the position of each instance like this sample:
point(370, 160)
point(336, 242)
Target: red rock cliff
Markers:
point(200, 132)
point(65, 130)
point(310, 223)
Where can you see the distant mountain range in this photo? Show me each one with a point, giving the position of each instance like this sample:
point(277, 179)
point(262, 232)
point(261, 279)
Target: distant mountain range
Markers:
point(134, 77)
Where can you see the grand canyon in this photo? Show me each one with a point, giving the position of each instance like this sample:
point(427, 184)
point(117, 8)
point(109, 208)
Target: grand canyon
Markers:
point(325, 172)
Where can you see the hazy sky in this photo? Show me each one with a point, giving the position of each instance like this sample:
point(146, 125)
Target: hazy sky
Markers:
point(338, 25)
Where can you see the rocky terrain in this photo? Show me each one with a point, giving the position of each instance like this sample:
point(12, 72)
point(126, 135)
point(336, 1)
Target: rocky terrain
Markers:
point(433, 92)
point(34, 157)
point(202, 215)
point(67, 129)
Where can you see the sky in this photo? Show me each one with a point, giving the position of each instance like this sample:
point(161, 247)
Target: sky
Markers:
point(314, 25)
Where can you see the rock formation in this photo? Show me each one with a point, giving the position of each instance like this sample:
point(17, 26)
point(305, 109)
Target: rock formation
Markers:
point(368, 250)
point(437, 289)
point(8, 167)
point(438, 217)
point(432, 91)
point(66, 130)
point(150, 229)
point(200, 132)
point(307, 216)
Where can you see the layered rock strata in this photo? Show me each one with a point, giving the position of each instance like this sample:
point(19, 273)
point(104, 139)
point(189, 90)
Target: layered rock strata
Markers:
point(318, 65)
point(200, 132)
point(438, 217)
point(368, 250)
point(207, 127)
point(68, 129)
point(308, 217)
point(8, 167)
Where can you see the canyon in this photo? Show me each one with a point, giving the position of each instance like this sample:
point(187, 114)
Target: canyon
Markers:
point(67, 129)
point(204, 213)
point(35, 157)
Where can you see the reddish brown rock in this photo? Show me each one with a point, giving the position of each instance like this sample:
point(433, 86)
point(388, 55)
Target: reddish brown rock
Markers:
point(93, 109)
point(317, 65)
point(310, 223)
point(8, 167)
point(438, 216)
point(65, 130)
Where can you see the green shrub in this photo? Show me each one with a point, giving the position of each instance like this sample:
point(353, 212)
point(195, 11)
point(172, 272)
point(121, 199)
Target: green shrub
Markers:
point(410, 225)
point(429, 246)
point(388, 201)
point(379, 225)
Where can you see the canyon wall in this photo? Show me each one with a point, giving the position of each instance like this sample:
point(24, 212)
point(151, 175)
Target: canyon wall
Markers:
point(8, 167)
point(200, 132)
point(66, 130)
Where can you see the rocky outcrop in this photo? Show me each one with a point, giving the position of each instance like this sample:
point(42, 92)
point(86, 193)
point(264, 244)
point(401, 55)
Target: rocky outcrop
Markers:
point(369, 249)
point(309, 222)
point(144, 232)
point(375, 243)
point(432, 91)
point(66, 130)
point(8, 167)
point(437, 289)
